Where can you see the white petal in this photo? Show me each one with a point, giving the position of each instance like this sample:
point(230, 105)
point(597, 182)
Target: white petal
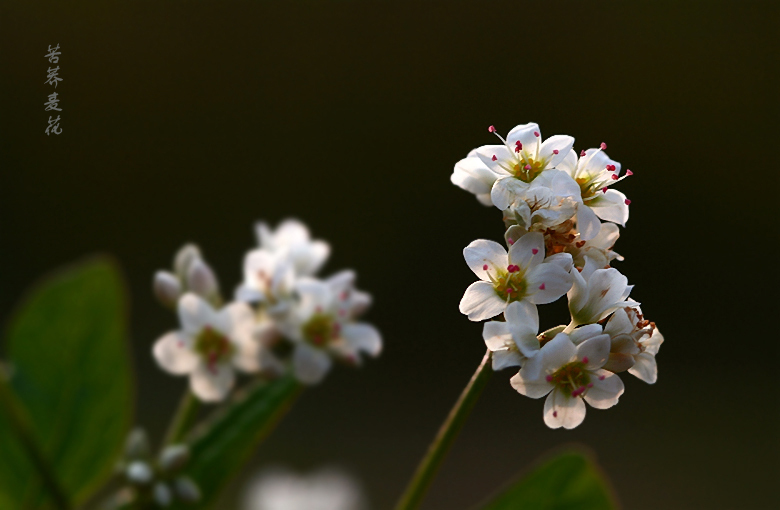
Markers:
point(611, 206)
point(587, 222)
point(596, 350)
point(236, 321)
point(563, 411)
point(522, 319)
point(528, 252)
point(505, 359)
point(173, 353)
point(314, 258)
point(605, 392)
point(561, 259)
point(561, 143)
point(481, 302)
point(212, 383)
point(503, 158)
point(583, 333)
point(194, 313)
point(556, 353)
point(569, 163)
point(363, 337)
point(605, 291)
point(619, 362)
point(527, 135)
point(496, 335)
point(645, 368)
point(547, 282)
point(506, 191)
point(310, 364)
point(531, 385)
point(289, 232)
point(472, 175)
point(618, 324)
point(481, 253)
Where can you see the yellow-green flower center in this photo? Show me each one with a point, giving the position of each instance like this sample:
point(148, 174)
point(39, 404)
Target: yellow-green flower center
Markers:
point(320, 330)
point(527, 168)
point(510, 284)
point(213, 346)
point(572, 379)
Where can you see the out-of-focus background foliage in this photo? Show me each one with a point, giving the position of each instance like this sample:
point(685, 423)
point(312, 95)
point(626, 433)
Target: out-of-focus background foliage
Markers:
point(187, 121)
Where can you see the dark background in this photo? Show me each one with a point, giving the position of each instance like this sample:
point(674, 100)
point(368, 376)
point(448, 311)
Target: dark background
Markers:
point(188, 121)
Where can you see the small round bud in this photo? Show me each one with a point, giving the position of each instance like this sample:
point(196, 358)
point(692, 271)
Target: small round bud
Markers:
point(174, 457)
point(139, 472)
point(167, 288)
point(184, 258)
point(186, 489)
point(137, 444)
point(162, 494)
point(201, 279)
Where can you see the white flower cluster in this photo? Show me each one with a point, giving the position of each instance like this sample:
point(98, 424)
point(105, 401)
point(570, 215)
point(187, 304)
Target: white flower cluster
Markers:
point(553, 203)
point(282, 316)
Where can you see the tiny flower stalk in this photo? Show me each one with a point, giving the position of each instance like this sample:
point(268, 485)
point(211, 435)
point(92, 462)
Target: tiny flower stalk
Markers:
point(423, 476)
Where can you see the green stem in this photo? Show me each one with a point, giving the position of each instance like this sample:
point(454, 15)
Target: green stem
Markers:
point(185, 414)
point(20, 423)
point(449, 430)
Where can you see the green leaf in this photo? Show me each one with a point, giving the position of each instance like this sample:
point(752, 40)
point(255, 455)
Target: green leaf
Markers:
point(72, 377)
point(570, 481)
point(222, 445)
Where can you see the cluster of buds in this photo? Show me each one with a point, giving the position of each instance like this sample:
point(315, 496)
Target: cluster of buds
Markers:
point(561, 222)
point(157, 481)
point(281, 318)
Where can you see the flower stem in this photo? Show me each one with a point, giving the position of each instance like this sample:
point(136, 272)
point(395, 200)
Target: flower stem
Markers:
point(20, 423)
point(185, 414)
point(449, 430)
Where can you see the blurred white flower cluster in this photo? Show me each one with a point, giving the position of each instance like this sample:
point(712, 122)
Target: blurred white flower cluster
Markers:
point(325, 489)
point(553, 203)
point(282, 317)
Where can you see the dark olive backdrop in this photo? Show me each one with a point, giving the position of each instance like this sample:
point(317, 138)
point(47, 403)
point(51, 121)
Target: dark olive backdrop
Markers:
point(188, 121)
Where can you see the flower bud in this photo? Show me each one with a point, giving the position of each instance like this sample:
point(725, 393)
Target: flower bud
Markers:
point(167, 288)
point(201, 279)
point(162, 494)
point(137, 444)
point(184, 258)
point(174, 457)
point(186, 489)
point(139, 472)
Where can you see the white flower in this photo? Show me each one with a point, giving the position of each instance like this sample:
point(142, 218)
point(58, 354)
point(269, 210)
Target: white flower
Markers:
point(514, 341)
point(521, 275)
point(570, 376)
point(472, 175)
point(549, 200)
point(596, 293)
point(321, 326)
point(594, 172)
point(635, 342)
point(327, 489)
point(292, 241)
point(269, 279)
point(599, 248)
point(210, 345)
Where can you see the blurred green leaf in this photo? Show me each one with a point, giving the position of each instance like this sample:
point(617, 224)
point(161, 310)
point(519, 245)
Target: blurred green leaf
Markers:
point(222, 445)
point(570, 481)
point(72, 375)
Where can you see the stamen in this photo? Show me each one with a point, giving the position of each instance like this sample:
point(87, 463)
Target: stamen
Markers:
point(602, 377)
point(510, 241)
point(603, 146)
point(629, 172)
point(590, 385)
point(604, 189)
point(535, 251)
point(494, 157)
point(492, 129)
point(555, 414)
point(614, 177)
point(628, 202)
point(611, 168)
point(583, 154)
point(555, 151)
point(527, 167)
point(549, 378)
point(485, 267)
point(585, 360)
point(541, 287)
point(536, 133)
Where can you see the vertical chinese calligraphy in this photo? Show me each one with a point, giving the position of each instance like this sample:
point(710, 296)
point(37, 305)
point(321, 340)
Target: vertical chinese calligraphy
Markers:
point(53, 79)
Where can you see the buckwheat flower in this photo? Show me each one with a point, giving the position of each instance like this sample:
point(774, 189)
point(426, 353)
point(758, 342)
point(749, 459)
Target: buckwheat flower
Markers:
point(191, 273)
point(594, 173)
point(514, 341)
point(292, 241)
point(321, 327)
point(596, 293)
point(569, 375)
point(327, 489)
point(523, 274)
point(269, 279)
point(635, 342)
point(210, 346)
